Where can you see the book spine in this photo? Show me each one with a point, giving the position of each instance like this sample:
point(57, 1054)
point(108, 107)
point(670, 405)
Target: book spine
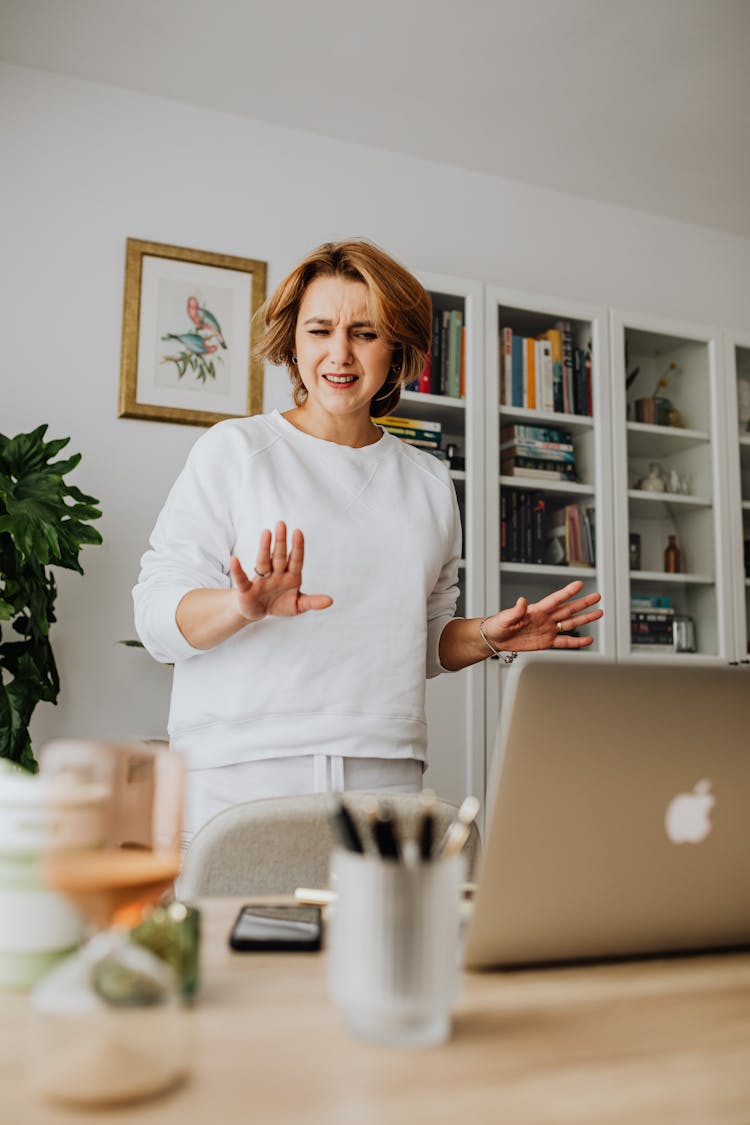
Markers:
point(410, 423)
point(436, 353)
point(421, 435)
point(530, 385)
point(507, 353)
point(536, 433)
point(425, 379)
point(517, 371)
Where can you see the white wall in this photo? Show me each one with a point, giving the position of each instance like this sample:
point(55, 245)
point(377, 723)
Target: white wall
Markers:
point(85, 166)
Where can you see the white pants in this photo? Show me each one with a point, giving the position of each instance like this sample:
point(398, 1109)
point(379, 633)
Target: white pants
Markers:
point(208, 792)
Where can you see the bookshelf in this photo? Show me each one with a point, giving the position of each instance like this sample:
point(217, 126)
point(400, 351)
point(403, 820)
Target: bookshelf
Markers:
point(737, 360)
point(670, 478)
point(586, 429)
point(455, 703)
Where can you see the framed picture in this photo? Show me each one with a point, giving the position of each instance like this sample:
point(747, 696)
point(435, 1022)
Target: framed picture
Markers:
point(187, 336)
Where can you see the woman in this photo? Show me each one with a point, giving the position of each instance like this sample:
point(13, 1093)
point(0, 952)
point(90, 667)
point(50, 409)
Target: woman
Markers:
point(279, 691)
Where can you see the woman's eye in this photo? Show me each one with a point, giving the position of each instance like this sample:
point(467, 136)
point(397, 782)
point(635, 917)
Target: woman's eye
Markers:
point(318, 331)
point(367, 335)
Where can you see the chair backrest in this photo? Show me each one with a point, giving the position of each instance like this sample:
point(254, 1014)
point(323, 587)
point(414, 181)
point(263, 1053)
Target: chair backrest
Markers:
point(273, 846)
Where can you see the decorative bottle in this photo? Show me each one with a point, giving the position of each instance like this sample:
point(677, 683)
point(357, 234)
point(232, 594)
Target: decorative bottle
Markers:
point(672, 559)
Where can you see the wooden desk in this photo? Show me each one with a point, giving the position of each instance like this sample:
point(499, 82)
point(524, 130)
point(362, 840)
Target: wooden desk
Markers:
point(652, 1043)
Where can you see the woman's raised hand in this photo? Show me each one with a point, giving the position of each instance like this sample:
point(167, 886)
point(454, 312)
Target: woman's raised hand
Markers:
point(528, 627)
point(274, 587)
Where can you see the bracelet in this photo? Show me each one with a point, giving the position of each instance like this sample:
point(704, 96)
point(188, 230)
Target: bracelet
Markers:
point(508, 657)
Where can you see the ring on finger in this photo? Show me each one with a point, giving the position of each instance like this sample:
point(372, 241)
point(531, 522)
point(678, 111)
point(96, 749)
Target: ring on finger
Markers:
point(560, 627)
point(259, 575)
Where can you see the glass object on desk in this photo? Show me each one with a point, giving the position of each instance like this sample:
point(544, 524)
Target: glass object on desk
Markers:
point(393, 947)
point(107, 1023)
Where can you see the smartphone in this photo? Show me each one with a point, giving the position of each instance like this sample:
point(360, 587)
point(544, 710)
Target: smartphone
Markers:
point(276, 928)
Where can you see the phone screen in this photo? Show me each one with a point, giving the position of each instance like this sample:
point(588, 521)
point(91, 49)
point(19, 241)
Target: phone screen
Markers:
point(276, 928)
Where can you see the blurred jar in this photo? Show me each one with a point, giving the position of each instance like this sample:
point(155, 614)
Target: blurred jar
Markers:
point(107, 1026)
point(37, 925)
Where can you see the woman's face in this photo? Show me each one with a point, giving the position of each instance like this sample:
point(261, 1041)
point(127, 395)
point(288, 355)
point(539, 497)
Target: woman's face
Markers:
point(341, 360)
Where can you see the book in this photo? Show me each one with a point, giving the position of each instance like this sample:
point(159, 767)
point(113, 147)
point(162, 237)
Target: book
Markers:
point(409, 423)
point(435, 351)
point(566, 332)
point(533, 472)
point(546, 396)
point(425, 379)
point(540, 451)
point(517, 371)
point(554, 335)
point(536, 433)
point(529, 371)
point(453, 366)
point(425, 437)
point(512, 465)
point(507, 366)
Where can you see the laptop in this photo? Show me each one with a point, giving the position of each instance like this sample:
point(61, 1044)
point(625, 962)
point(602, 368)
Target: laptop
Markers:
point(619, 815)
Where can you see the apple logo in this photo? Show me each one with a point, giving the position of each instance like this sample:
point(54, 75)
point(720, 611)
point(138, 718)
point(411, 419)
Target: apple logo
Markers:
point(687, 819)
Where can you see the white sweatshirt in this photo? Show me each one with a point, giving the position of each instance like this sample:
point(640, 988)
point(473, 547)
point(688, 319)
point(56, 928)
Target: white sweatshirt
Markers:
point(382, 537)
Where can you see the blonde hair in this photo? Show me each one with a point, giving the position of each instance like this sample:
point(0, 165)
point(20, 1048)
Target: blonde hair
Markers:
point(399, 306)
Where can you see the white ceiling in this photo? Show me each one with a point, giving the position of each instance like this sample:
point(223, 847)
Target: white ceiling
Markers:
point(642, 103)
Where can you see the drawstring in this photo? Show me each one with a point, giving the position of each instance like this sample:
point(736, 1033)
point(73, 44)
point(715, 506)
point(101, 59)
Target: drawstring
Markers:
point(328, 773)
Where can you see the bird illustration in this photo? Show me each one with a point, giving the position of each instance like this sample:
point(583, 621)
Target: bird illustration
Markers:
point(203, 319)
point(192, 342)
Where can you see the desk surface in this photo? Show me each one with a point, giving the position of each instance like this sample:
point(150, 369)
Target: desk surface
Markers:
point(653, 1043)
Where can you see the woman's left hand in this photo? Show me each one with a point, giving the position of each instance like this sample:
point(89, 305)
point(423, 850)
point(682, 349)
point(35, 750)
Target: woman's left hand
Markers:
point(529, 627)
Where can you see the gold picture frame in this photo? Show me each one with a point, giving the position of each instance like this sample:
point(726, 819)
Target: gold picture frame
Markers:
point(187, 352)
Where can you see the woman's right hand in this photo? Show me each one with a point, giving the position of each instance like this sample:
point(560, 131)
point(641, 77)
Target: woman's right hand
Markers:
point(274, 588)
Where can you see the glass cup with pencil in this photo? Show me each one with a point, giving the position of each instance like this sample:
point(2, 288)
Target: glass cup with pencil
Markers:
point(393, 928)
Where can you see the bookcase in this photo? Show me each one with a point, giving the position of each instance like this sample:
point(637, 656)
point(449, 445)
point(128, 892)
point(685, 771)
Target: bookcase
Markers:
point(652, 402)
point(669, 417)
point(455, 703)
point(737, 360)
point(584, 426)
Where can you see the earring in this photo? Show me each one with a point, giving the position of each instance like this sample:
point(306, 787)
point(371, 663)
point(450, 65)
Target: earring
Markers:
point(294, 360)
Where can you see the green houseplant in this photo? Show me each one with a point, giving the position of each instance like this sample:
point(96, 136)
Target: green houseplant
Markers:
point(43, 523)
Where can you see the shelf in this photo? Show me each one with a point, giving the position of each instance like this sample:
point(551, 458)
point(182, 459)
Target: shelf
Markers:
point(660, 441)
point(538, 484)
point(650, 577)
point(546, 570)
point(646, 653)
point(577, 423)
point(450, 412)
point(655, 505)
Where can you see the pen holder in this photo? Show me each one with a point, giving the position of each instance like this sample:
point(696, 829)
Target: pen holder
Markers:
point(393, 950)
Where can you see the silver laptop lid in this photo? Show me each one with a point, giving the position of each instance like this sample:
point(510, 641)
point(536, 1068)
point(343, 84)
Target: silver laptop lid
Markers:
point(619, 814)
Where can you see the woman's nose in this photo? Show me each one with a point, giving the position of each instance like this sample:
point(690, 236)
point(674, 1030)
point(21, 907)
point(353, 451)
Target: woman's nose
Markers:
point(340, 346)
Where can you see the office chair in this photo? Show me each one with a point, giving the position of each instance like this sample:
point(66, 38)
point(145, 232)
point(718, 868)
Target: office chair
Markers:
point(273, 846)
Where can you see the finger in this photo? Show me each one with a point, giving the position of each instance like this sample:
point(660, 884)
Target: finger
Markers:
point(297, 553)
point(515, 614)
point(263, 558)
point(579, 619)
point(241, 580)
point(278, 555)
point(583, 603)
point(558, 597)
point(572, 642)
point(313, 601)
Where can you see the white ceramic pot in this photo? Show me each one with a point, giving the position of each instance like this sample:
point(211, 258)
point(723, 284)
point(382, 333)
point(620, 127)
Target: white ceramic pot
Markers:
point(37, 814)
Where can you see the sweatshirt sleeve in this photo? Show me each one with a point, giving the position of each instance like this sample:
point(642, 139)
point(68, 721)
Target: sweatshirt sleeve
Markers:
point(441, 604)
point(190, 545)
